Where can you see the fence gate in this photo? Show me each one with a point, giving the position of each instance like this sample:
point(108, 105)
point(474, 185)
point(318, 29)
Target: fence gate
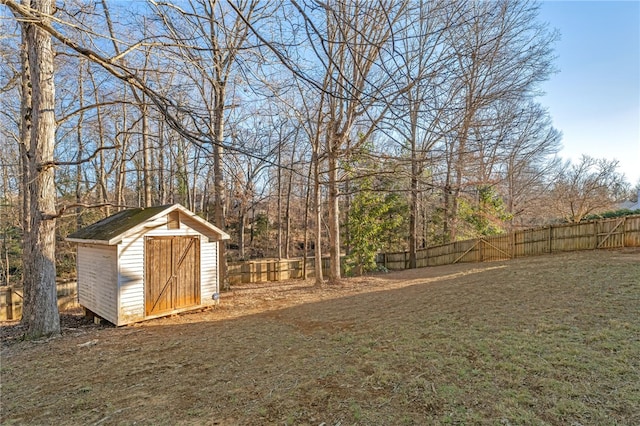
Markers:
point(172, 273)
point(610, 234)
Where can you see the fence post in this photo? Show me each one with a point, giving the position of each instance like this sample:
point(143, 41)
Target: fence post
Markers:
point(9, 299)
point(550, 238)
point(304, 266)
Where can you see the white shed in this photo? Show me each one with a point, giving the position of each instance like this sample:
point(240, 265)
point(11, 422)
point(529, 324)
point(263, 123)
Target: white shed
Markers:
point(145, 263)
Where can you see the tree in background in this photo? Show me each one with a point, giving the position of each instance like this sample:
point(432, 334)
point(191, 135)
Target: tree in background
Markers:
point(370, 223)
point(418, 116)
point(527, 159)
point(354, 84)
point(443, 91)
point(502, 53)
point(485, 216)
point(586, 187)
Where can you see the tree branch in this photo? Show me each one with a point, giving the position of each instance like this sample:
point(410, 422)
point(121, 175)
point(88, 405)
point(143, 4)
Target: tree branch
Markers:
point(62, 209)
point(75, 163)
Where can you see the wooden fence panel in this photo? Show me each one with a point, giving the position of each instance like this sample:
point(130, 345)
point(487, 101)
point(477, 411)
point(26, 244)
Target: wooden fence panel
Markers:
point(234, 273)
point(11, 299)
point(632, 231)
point(396, 261)
point(439, 255)
point(572, 237)
point(422, 258)
point(10, 304)
point(447, 254)
point(603, 233)
point(532, 242)
point(265, 270)
point(466, 251)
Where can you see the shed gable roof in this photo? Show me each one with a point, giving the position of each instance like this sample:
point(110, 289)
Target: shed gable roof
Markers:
point(112, 229)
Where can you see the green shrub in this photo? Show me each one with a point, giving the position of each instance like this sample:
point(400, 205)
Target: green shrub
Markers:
point(611, 214)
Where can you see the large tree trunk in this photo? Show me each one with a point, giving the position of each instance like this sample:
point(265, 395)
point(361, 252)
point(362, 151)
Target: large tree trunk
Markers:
point(25, 149)
point(279, 201)
point(317, 214)
point(80, 140)
point(242, 220)
point(218, 181)
point(103, 194)
point(146, 172)
point(334, 220)
point(42, 316)
point(413, 215)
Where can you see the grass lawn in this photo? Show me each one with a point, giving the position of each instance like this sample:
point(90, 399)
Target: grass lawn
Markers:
point(543, 340)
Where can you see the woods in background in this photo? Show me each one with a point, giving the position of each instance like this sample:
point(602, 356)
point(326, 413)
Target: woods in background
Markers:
point(300, 128)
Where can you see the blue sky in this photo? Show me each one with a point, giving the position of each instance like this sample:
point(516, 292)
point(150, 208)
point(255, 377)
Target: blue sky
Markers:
point(594, 99)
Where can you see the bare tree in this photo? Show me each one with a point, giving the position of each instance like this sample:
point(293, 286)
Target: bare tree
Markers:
point(589, 186)
point(352, 86)
point(12, 143)
point(528, 157)
point(417, 119)
point(309, 115)
point(41, 315)
point(208, 41)
point(502, 53)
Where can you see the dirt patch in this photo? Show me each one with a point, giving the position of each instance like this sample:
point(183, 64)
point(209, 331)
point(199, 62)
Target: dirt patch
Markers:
point(550, 339)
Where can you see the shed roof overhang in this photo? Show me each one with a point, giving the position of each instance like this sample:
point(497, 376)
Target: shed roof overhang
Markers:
point(113, 229)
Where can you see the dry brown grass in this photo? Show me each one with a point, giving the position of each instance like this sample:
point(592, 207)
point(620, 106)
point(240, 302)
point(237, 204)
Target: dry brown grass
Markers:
point(546, 340)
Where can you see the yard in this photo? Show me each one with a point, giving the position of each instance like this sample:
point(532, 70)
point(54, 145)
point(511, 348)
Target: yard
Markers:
point(542, 340)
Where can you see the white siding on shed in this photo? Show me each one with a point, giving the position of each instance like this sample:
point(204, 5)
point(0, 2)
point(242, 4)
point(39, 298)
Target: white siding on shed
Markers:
point(132, 265)
point(208, 271)
point(98, 280)
point(131, 278)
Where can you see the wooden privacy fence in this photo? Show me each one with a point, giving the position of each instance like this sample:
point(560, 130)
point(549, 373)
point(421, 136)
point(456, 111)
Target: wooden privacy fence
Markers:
point(597, 234)
point(263, 270)
point(11, 299)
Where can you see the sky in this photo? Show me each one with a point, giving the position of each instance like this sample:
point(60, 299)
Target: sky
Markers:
point(594, 99)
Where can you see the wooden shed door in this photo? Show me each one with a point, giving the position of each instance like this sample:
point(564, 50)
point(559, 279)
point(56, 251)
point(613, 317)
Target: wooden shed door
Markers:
point(172, 276)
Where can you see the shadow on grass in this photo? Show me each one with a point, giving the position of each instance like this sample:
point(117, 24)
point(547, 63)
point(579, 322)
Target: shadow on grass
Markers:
point(531, 343)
